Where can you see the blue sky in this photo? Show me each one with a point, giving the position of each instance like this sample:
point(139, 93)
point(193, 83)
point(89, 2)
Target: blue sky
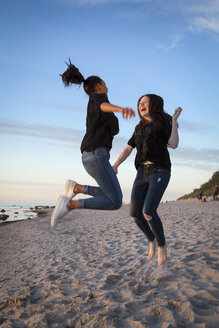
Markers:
point(170, 48)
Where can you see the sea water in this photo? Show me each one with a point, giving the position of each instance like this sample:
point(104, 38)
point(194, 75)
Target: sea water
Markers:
point(20, 211)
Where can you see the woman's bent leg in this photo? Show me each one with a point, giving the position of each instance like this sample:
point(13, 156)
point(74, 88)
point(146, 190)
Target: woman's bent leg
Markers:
point(108, 195)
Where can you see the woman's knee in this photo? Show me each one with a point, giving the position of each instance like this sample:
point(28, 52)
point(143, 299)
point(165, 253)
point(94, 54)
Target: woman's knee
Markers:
point(117, 203)
point(148, 217)
point(134, 210)
point(149, 211)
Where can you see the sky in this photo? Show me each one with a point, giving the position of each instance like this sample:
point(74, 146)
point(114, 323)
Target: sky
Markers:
point(170, 48)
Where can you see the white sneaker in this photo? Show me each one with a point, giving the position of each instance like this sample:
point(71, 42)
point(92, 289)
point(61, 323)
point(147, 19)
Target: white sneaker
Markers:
point(69, 188)
point(59, 211)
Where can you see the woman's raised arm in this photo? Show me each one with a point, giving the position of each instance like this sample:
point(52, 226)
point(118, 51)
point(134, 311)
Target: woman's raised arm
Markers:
point(174, 137)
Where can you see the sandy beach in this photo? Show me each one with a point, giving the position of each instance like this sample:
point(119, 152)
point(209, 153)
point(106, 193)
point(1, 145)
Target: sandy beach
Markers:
point(93, 271)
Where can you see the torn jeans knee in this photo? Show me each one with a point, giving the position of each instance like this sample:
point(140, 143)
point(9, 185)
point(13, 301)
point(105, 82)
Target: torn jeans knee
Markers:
point(148, 217)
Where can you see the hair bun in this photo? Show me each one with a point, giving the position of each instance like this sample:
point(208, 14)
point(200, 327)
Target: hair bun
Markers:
point(72, 75)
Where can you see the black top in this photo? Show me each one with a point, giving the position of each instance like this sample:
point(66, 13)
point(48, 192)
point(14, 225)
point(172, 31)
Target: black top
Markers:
point(152, 148)
point(100, 126)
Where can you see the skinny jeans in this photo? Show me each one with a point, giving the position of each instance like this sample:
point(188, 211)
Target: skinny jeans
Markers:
point(108, 196)
point(148, 188)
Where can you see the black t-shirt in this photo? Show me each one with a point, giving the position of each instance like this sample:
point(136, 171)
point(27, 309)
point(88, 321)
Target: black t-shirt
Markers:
point(152, 148)
point(100, 126)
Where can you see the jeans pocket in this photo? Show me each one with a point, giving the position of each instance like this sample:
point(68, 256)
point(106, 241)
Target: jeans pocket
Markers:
point(162, 176)
point(89, 164)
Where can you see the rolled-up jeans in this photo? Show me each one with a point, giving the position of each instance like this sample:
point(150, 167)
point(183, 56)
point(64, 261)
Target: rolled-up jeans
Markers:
point(108, 196)
point(147, 191)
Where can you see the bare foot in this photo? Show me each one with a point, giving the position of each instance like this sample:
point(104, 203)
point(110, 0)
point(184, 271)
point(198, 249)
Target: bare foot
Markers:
point(152, 248)
point(72, 204)
point(162, 255)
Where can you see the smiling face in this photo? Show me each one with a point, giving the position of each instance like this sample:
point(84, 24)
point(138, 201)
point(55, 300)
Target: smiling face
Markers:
point(143, 108)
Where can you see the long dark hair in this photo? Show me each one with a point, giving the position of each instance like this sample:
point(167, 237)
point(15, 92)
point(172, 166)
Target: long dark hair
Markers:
point(156, 112)
point(73, 76)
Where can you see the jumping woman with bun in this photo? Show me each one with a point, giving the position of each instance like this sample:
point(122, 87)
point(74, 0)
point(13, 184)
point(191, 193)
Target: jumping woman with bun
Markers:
point(156, 131)
point(101, 126)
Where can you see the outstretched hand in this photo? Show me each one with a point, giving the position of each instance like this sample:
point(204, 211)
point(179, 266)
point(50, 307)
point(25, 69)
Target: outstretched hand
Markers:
point(127, 112)
point(177, 113)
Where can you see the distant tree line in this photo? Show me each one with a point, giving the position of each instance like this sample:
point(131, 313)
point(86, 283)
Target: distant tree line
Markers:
point(207, 188)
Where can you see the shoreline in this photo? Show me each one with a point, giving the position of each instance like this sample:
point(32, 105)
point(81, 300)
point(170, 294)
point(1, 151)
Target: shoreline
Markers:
point(40, 213)
point(45, 210)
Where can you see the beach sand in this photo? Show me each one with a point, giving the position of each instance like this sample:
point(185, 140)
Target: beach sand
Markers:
point(93, 271)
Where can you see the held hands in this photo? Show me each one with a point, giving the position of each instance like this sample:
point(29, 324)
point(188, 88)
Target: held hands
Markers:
point(127, 112)
point(176, 114)
point(115, 169)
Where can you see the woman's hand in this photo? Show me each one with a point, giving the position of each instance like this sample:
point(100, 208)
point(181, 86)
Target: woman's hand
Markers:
point(122, 157)
point(115, 169)
point(176, 114)
point(127, 112)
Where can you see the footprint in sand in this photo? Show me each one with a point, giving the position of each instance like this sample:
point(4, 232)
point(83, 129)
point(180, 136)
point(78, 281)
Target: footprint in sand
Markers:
point(52, 277)
point(36, 296)
point(110, 280)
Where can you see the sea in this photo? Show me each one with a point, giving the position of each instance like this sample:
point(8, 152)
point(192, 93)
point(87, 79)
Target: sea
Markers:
point(20, 211)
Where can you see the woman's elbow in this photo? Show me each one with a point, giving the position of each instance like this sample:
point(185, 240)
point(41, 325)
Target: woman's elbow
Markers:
point(173, 145)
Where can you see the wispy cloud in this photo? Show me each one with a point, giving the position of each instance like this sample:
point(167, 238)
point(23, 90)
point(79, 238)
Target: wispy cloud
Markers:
point(206, 23)
point(22, 132)
point(97, 2)
point(190, 154)
point(174, 41)
point(206, 159)
point(196, 127)
point(46, 132)
point(18, 131)
point(204, 167)
point(200, 6)
point(198, 15)
point(54, 106)
point(201, 14)
point(41, 142)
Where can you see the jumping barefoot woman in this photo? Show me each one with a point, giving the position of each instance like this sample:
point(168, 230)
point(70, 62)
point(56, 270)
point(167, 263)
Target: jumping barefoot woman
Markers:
point(101, 126)
point(156, 131)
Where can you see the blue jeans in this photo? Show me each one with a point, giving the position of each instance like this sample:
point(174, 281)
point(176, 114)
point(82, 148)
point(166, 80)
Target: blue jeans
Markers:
point(108, 196)
point(147, 191)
